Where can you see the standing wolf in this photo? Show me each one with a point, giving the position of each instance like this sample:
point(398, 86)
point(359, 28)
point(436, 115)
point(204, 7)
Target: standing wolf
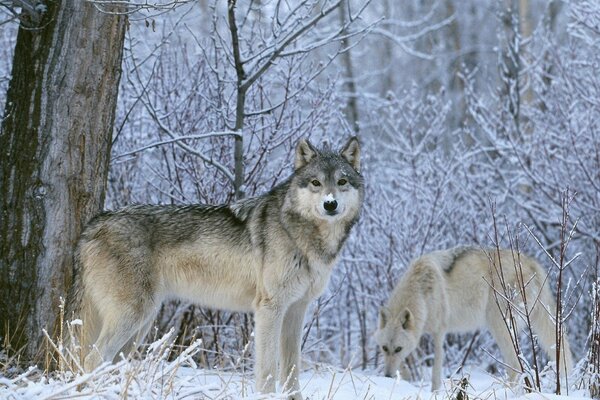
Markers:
point(454, 291)
point(272, 255)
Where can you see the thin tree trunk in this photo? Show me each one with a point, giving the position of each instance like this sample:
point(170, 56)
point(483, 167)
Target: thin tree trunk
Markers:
point(511, 64)
point(455, 84)
point(55, 141)
point(526, 31)
point(554, 8)
point(388, 81)
point(525, 18)
point(238, 151)
point(349, 82)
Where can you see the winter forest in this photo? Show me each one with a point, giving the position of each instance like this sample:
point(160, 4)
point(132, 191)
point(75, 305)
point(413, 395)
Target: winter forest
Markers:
point(479, 124)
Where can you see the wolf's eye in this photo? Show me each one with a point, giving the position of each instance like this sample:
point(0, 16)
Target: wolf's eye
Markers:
point(398, 349)
point(342, 182)
point(315, 182)
point(385, 349)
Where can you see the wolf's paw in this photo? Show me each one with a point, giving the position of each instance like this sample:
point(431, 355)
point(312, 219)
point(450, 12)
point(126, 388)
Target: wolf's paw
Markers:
point(295, 396)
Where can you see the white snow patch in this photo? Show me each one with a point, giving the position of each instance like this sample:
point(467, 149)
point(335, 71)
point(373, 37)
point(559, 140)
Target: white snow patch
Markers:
point(176, 380)
point(329, 197)
point(153, 377)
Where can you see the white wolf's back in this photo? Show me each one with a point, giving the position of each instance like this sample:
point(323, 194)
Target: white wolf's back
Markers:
point(474, 284)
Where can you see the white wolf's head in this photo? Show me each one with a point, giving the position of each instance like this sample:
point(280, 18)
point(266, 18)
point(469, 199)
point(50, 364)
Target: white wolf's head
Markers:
point(328, 185)
point(397, 337)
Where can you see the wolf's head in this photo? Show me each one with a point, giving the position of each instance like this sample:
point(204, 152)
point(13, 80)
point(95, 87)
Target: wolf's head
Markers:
point(328, 185)
point(397, 337)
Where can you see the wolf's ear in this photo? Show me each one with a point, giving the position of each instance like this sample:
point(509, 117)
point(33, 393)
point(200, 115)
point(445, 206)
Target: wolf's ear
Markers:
point(407, 319)
point(384, 315)
point(351, 152)
point(304, 153)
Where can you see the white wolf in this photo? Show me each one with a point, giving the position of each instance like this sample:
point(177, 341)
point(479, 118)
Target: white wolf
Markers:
point(271, 255)
point(452, 291)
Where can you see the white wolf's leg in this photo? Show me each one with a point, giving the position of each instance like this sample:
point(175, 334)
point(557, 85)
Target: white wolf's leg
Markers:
point(405, 373)
point(268, 320)
point(291, 336)
point(503, 339)
point(545, 329)
point(438, 360)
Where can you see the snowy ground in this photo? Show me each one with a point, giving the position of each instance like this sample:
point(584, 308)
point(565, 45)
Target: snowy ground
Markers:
point(189, 383)
point(153, 377)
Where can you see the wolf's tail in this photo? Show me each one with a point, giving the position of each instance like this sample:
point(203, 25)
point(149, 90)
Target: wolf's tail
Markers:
point(543, 324)
point(81, 316)
point(75, 294)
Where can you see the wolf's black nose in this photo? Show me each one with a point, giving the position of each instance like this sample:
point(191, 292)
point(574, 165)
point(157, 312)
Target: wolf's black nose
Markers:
point(330, 205)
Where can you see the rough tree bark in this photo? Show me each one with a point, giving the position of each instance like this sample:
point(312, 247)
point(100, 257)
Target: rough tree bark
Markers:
point(55, 141)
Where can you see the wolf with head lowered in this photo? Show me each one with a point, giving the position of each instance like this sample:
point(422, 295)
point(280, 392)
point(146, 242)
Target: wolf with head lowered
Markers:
point(463, 289)
point(270, 255)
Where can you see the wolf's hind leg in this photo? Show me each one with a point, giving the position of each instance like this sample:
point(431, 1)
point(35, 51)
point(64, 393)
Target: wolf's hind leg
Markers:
point(504, 341)
point(135, 341)
point(544, 327)
point(115, 333)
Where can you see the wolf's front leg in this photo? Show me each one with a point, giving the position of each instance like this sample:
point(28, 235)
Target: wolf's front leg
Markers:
point(405, 373)
point(438, 360)
point(268, 319)
point(291, 336)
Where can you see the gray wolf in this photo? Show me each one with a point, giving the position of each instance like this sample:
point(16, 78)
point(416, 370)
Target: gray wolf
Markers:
point(270, 255)
point(453, 291)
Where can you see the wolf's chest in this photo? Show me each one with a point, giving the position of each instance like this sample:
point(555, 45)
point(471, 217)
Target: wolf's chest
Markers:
point(318, 275)
point(302, 279)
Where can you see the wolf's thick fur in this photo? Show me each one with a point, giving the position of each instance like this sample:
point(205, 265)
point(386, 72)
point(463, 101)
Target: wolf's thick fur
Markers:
point(452, 291)
point(270, 255)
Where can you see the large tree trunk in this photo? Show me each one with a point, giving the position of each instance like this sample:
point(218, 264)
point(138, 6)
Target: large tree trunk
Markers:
point(55, 142)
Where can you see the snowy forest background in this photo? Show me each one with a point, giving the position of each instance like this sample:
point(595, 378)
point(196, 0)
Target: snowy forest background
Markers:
point(466, 110)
